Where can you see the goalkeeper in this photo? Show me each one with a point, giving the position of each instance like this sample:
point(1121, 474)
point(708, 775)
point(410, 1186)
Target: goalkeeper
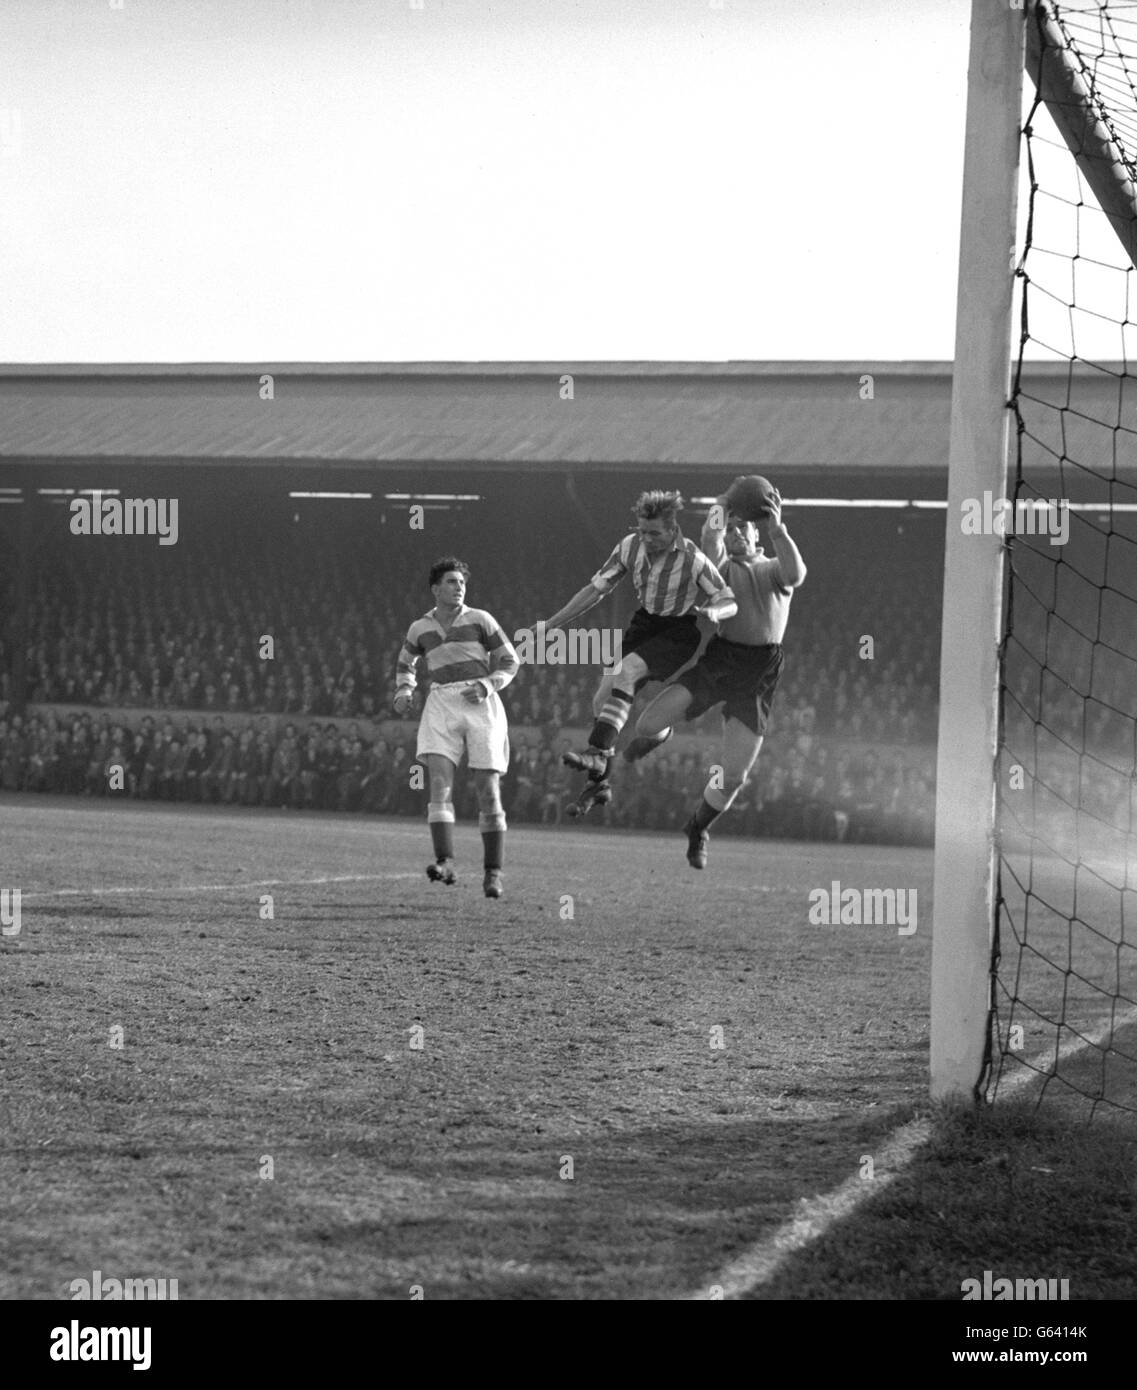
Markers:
point(740, 666)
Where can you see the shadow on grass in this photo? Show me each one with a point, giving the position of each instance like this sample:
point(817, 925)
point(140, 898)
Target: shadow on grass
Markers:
point(646, 1214)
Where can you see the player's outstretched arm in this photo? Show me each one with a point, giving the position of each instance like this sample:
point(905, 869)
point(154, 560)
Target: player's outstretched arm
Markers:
point(581, 602)
point(599, 586)
point(791, 567)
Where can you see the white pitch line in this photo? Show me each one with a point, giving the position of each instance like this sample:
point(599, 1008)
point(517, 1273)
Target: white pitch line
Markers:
point(1041, 1068)
point(815, 1215)
point(175, 888)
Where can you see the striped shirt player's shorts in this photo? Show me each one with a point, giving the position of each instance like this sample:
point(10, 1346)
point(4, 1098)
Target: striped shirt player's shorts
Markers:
point(739, 677)
point(450, 725)
point(663, 644)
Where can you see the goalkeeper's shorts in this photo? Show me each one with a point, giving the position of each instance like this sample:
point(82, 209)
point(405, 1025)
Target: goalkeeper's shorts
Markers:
point(452, 726)
point(740, 678)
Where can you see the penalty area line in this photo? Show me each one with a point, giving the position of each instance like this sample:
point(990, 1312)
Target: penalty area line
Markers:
point(176, 888)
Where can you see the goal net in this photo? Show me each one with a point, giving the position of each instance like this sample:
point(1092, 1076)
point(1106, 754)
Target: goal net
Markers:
point(1063, 1022)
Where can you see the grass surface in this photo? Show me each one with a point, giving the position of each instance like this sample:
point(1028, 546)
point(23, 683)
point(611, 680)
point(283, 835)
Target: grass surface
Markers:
point(572, 1020)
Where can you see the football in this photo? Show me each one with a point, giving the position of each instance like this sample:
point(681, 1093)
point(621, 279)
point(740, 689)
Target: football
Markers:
point(750, 497)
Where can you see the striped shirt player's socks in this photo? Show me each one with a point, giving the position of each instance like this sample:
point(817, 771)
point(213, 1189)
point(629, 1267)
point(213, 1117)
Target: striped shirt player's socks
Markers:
point(440, 817)
point(492, 827)
point(611, 719)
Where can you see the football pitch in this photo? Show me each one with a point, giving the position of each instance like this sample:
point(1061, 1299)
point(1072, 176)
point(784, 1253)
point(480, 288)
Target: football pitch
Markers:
point(260, 1054)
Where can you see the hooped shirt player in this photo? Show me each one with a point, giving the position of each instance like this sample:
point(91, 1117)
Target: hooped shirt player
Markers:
point(469, 660)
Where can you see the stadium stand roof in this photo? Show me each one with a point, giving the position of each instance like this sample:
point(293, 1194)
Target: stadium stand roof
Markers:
point(780, 415)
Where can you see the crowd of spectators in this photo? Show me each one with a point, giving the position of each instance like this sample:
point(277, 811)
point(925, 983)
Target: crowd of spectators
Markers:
point(800, 791)
point(212, 671)
point(156, 630)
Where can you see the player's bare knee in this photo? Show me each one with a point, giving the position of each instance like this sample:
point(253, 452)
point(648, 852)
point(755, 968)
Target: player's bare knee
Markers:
point(633, 670)
point(488, 789)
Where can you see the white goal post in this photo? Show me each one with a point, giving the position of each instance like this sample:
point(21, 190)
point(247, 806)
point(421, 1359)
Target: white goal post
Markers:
point(1005, 36)
point(964, 872)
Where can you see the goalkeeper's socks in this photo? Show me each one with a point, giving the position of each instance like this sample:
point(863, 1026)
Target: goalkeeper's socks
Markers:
point(705, 815)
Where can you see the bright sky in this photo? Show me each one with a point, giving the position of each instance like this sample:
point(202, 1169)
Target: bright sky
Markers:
point(362, 180)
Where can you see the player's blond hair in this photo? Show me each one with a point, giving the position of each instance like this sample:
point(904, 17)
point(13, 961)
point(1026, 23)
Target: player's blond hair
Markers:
point(656, 503)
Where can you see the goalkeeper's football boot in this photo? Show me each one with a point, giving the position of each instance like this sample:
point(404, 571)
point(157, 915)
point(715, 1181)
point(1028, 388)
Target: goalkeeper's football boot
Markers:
point(492, 883)
point(640, 747)
point(442, 872)
point(594, 761)
point(697, 841)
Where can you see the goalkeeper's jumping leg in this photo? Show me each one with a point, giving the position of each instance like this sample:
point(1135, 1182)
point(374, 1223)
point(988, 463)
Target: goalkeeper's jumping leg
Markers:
point(657, 723)
point(740, 749)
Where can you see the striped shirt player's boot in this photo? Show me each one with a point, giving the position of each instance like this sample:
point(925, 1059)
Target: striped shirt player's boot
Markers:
point(592, 760)
point(442, 872)
point(597, 791)
point(492, 884)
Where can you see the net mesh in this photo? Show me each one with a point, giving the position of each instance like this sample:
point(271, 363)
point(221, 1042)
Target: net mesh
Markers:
point(1064, 991)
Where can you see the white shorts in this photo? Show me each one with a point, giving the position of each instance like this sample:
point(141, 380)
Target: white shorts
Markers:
point(450, 725)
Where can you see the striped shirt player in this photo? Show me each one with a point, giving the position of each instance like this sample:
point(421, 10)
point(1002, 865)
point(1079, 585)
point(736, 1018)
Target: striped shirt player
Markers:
point(674, 582)
point(741, 665)
point(468, 660)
